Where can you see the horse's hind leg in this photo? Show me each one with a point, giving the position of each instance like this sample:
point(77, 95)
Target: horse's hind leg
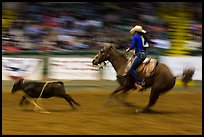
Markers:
point(154, 95)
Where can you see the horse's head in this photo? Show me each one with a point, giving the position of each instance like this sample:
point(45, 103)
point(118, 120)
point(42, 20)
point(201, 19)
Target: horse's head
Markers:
point(103, 55)
point(17, 85)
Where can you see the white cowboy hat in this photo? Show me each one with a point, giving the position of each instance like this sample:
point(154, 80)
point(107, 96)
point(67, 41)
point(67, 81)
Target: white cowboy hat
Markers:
point(137, 28)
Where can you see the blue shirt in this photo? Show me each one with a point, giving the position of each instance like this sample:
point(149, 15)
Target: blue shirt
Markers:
point(137, 43)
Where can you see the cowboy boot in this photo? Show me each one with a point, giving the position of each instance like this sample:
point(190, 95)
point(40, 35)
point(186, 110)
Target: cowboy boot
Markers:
point(139, 87)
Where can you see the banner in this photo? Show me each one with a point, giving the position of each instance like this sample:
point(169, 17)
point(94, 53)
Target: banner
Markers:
point(28, 68)
point(72, 69)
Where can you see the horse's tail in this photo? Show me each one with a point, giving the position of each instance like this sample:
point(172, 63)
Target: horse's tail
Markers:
point(187, 75)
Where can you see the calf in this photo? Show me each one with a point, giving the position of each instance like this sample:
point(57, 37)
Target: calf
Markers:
point(40, 90)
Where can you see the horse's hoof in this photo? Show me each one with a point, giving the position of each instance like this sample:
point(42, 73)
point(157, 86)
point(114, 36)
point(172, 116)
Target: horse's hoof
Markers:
point(138, 110)
point(142, 110)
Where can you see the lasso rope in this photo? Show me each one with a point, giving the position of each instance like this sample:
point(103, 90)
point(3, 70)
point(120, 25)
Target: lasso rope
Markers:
point(35, 103)
point(43, 89)
point(40, 97)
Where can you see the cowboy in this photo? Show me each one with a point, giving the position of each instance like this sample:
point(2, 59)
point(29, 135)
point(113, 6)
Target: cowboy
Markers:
point(139, 44)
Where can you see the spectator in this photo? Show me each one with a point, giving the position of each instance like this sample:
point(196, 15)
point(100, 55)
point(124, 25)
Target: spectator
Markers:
point(43, 27)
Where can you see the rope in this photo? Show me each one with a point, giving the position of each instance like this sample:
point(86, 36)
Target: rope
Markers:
point(41, 92)
point(35, 103)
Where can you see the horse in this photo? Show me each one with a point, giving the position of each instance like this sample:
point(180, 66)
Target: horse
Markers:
point(33, 89)
point(160, 80)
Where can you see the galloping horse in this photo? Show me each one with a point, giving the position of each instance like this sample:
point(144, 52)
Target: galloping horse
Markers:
point(160, 81)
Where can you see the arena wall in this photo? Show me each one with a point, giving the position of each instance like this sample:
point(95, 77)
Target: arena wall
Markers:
point(81, 68)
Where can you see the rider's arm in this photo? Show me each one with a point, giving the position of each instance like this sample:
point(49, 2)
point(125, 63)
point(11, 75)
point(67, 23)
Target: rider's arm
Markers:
point(133, 44)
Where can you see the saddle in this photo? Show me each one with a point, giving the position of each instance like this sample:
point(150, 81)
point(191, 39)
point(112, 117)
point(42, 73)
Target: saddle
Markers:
point(147, 67)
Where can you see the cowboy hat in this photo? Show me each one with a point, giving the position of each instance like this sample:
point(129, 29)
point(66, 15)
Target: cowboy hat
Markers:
point(137, 28)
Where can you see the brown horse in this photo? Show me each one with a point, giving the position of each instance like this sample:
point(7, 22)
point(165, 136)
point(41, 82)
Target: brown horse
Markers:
point(161, 81)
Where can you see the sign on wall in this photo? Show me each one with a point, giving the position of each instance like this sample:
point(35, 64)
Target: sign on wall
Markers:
point(28, 68)
point(109, 72)
point(72, 69)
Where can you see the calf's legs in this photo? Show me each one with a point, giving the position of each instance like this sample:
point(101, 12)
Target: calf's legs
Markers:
point(70, 100)
point(23, 101)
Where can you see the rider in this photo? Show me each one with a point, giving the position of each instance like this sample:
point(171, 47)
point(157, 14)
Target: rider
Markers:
point(140, 53)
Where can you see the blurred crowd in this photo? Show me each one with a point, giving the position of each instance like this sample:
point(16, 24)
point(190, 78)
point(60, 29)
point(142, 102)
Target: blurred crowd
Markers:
point(73, 26)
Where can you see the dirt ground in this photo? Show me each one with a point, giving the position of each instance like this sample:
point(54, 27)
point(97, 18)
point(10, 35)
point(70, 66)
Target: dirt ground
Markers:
point(175, 113)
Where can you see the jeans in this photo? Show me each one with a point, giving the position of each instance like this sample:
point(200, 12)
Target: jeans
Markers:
point(139, 58)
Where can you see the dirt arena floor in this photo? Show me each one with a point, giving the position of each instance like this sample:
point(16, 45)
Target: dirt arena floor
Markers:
point(179, 112)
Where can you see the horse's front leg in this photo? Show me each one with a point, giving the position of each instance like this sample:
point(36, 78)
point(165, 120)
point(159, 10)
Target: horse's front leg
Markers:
point(112, 94)
point(116, 91)
point(123, 97)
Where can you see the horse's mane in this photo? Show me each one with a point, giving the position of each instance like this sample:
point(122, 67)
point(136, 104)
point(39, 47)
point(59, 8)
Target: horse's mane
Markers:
point(120, 53)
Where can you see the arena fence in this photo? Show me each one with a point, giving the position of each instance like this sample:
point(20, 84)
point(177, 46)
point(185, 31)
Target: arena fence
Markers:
point(76, 69)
